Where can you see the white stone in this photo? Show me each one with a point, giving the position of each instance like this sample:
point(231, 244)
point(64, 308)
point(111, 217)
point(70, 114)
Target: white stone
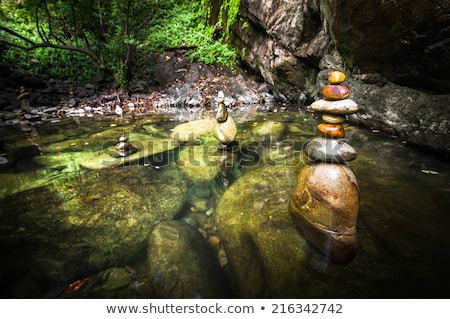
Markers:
point(346, 106)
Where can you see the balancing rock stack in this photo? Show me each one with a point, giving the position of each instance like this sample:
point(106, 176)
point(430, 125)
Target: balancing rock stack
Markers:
point(225, 130)
point(123, 147)
point(325, 202)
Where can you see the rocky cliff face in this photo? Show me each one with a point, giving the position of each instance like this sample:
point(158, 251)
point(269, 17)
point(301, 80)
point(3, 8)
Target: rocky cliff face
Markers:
point(377, 42)
point(406, 41)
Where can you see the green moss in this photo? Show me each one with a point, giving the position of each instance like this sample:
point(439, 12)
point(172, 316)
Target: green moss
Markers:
point(346, 53)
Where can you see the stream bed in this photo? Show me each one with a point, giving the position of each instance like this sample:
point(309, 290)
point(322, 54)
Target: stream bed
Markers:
point(78, 222)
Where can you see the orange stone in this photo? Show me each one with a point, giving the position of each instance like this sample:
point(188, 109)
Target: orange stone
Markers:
point(331, 130)
point(335, 92)
point(336, 77)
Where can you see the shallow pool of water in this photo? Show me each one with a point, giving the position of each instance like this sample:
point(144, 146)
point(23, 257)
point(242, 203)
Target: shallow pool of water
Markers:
point(63, 221)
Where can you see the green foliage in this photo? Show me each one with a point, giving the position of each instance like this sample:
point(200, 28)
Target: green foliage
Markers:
point(52, 63)
point(74, 39)
point(215, 53)
point(232, 7)
point(184, 25)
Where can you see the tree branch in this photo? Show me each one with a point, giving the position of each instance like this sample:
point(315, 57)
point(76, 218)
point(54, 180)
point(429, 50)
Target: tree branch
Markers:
point(46, 44)
point(17, 35)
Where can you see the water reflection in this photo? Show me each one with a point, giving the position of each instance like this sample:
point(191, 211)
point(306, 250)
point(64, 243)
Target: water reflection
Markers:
point(64, 221)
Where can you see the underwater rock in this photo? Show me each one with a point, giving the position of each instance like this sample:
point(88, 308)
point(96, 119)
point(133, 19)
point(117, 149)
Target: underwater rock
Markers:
point(267, 255)
point(145, 149)
point(202, 163)
point(270, 129)
point(181, 263)
point(113, 278)
point(191, 131)
point(325, 207)
point(97, 219)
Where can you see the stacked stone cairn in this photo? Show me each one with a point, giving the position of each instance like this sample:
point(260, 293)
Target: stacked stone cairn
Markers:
point(123, 148)
point(225, 130)
point(325, 202)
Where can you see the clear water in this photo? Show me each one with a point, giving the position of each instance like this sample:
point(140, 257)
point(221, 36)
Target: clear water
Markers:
point(53, 215)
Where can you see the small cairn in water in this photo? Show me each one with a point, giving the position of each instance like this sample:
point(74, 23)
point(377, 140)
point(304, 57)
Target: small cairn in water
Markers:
point(23, 97)
point(225, 130)
point(325, 202)
point(123, 147)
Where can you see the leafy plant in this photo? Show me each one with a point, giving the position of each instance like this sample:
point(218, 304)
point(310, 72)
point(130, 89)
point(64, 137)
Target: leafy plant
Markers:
point(184, 26)
point(76, 38)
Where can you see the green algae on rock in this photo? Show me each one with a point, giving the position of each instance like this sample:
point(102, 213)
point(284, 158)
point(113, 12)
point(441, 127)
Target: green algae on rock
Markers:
point(146, 148)
point(98, 219)
point(191, 131)
point(266, 253)
point(181, 264)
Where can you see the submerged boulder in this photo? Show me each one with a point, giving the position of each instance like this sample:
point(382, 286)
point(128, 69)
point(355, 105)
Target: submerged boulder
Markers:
point(181, 263)
point(191, 131)
point(267, 255)
point(99, 219)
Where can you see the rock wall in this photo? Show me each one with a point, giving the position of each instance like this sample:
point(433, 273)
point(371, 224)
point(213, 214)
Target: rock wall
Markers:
point(375, 42)
point(408, 41)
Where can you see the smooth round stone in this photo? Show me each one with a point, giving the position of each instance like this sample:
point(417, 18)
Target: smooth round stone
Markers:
point(336, 77)
point(333, 118)
point(225, 132)
point(324, 207)
point(331, 130)
point(122, 146)
point(329, 150)
point(222, 113)
point(123, 149)
point(342, 107)
point(335, 92)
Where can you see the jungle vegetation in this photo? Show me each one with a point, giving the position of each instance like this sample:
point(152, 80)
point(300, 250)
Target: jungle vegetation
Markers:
point(77, 39)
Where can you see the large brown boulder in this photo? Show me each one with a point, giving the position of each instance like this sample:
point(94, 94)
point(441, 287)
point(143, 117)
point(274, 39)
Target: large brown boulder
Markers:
point(325, 208)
